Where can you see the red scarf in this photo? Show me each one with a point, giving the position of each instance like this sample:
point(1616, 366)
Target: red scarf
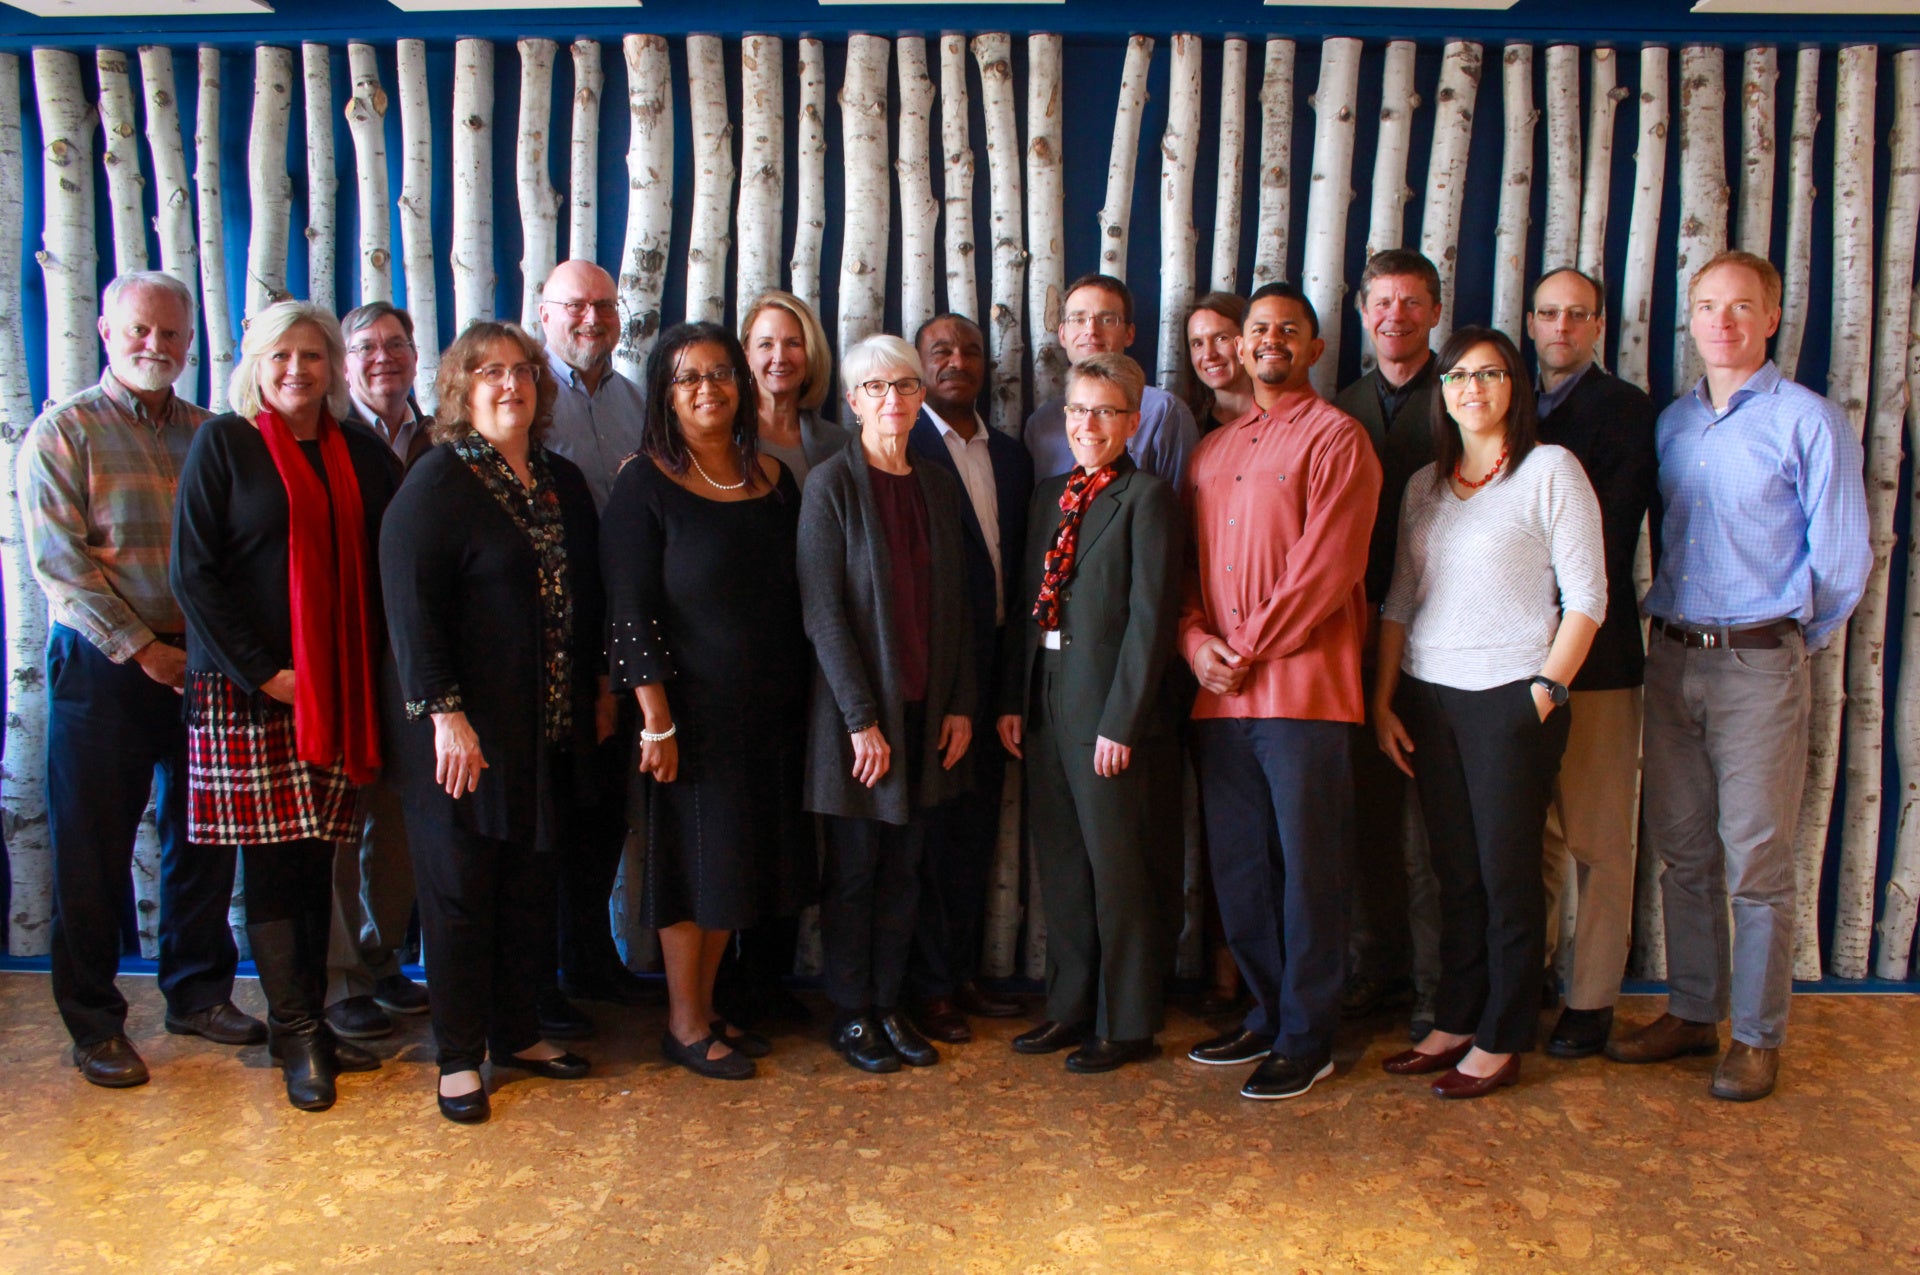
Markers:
point(1058, 565)
point(333, 698)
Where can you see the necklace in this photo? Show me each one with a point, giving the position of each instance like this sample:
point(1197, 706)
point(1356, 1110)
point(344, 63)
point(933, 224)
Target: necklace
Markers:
point(731, 486)
point(1469, 484)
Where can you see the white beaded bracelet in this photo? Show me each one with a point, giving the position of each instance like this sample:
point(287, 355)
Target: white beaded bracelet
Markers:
point(650, 737)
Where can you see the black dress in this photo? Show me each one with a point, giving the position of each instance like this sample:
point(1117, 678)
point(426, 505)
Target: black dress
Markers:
point(702, 596)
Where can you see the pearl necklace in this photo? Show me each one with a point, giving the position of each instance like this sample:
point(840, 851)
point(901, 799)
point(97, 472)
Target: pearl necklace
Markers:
point(1493, 473)
point(709, 477)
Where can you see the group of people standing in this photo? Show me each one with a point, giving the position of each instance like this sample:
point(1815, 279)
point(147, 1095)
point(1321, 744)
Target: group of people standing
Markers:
point(387, 655)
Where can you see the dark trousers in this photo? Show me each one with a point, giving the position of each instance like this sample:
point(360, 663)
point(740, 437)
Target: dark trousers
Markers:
point(112, 733)
point(870, 893)
point(1485, 763)
point(955, 872)
point(290, 881)
point(1104, 877)
point(1277, 797)
point(596, 838)
point(1382, 939)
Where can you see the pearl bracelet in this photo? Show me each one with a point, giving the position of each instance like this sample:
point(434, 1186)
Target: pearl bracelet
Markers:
point(650, 737)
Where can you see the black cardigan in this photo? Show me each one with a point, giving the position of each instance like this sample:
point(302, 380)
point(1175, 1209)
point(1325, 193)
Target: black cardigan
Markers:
point(463, 584)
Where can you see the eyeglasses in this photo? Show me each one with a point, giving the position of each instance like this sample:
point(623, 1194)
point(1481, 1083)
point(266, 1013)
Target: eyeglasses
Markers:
point(1079, 413)
point(1093, 319)
point(500, 373)
point(1483, 376)
point(578, 309)
point(906, 387)
point(1574, 313)
point(393, 348)
point(691, 380)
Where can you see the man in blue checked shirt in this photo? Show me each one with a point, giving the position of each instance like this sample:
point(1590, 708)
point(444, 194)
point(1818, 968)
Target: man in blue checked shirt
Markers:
point(1764, 557)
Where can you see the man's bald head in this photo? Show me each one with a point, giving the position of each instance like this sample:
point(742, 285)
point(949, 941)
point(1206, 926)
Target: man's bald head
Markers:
point(580, 314)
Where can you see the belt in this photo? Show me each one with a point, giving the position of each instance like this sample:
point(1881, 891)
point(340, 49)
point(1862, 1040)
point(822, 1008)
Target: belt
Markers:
point(1757, 637)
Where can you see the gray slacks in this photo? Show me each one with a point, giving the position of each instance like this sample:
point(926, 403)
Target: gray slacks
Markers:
point(372, 897)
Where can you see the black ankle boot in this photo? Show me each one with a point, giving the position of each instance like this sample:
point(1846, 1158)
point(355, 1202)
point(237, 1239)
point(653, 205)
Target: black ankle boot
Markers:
point(296, 1037)
point(307, 1062)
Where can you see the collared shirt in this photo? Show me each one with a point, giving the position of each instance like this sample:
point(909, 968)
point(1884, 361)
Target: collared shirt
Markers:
point(596, 431)
point(1282, 506)
point(97, 481)
point(1766, 510)
point(975, 463)
point(400, 441)
point(1394, 397)
point(1160, 446)
point(1551, 399)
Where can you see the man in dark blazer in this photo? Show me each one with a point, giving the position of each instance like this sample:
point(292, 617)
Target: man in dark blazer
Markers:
point(1083, 699)
point(996, 473)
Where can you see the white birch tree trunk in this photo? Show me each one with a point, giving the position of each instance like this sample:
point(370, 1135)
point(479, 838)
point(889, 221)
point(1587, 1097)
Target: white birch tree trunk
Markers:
point(643, 261)
point(713, 178)
point(583, 160)
point(963, 285)
point(1703, 190)
point(172, 199)
point(216, 309)
point(539, 201)
point(1516, 190)
point(1225, 275)
point(810, 200)
point(919, 211)
point(1753, 225)
point(121, 159)
point(1902, 905)
point(416, 215)
point(269, 188)
point(1276, 167)
point(472, 259)
point(1046, 217)
point(1596, 188)
point(1643, 222)
point(1007, 345)
point(1796, 279)
point(323, 181)
point(1386, 219)
point(1560, 241)
point(1001, 932)
point(1447, 169)
point(69, 260)
point(763, 167)
point(367, 125)
point(1116, 215)
point(1322, 272)
point(1179, 242)
point(868, 213)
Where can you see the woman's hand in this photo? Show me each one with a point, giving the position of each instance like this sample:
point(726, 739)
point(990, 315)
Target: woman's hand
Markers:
point(1109, 758)
point(871, 756)
point(457, 762)
point(956, 732)
point(1394, 740)
point(660, 758)
point(280, 686)
point(1011, 729)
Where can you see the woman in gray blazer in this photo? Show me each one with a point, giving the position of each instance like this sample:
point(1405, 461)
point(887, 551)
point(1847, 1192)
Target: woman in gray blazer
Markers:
point(882, 586)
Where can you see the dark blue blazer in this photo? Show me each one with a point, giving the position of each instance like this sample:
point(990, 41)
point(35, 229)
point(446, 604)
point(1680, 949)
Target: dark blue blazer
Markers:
point(1013, 488)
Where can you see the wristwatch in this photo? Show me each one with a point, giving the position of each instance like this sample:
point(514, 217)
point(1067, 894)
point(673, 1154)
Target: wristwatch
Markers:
point(1556, 691)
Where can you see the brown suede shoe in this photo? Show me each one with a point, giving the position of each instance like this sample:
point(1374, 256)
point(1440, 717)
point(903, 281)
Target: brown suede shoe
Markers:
point(1746, 1074)
point(940, 1020)
point(1663, 1038)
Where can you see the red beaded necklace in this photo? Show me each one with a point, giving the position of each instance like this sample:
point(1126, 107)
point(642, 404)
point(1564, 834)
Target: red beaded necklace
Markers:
point(1491, 473)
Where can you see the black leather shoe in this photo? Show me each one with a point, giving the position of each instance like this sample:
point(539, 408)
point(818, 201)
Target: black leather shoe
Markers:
point(940, 1019)
point(561, 1019)
point(978, 1001)
point(862, 1043)
point(1282, 1077)
point(346, 1055)
point(1580, 1033)
point(617, 985)
point(358, 1018)
point(112, 1063)
point(468, 1108)
point(1050, 1037)
point(563, 1066)
point(1100, 1054)
point(307, 1062)
point(398, 994)
point(732, 1065)
point(907, 1041)
point(223, 1024)
point(752, 1044)
point(1233, 1049)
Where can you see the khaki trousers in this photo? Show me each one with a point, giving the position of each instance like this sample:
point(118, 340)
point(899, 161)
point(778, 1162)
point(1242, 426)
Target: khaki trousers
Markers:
point(1589, 834)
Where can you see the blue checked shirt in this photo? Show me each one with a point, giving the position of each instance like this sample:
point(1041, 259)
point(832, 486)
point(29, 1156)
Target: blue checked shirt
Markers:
point(1766, 510)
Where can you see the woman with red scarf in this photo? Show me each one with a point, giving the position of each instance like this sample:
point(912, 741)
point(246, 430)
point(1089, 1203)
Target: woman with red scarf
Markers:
point(274, 537)
point(1081, 699)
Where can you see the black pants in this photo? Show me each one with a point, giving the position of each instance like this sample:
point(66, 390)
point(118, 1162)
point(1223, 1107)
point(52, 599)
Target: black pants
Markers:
point(870, 892)
point(112, 731)
point(1485, 763)
point(289, 881)
point(1382, 939)
point(955, 872)
point(590, 860)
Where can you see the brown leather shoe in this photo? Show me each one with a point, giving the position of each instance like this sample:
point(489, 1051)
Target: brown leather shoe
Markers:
point(112, 1063)
point(1411, 1062)
point(941, 1020)
point(1664, 1038)
point(1746, 1074)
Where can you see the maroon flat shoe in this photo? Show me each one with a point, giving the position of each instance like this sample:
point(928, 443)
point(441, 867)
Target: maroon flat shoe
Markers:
point(1412, 1062)
point(1457, 1084)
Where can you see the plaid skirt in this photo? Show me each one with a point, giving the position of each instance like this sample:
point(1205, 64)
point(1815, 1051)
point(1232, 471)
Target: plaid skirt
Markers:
point(246, 785)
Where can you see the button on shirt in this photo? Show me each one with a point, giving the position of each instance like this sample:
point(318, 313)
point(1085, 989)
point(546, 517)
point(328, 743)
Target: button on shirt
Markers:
point(1160, 446)
point(975, 463)
point(97, 481)
point(595, 431)
point(1766, 510)
point(1282, 506)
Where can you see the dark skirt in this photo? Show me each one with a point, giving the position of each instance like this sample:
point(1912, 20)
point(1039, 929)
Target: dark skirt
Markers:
point(246, 785)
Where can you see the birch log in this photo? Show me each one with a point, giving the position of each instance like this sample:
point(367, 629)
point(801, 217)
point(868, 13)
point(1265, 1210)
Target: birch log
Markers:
point(121, 160)
point(1001, 933)
point(1796, 279)
point(539, 201)
point(1516, 190)
point(1046, 217)
point(69, 260)
point(1116, 215)
point(1322, 272)
point(868, 211)
point(472, 257)
point(583, 157)
point(1703, 190)
point(1643, 222)
point(367, 125)
point(1276, 167)
point(919, 211)
point(1560, 241)
point(1225, 275)
point(1447, 169)
point(1848, 384)
point(643, 261)
point(323, 180)
point(1902, 906)
point(416, 216)
point(1759, 73)
point(216, 310)
point(763, 168)
point(963, 285)
point(1386, 219)
point(810, 200)
point(1007, 344)
point(1596, 188)
point(269, 188)
point(172, 199)
point(710, 237)
point(1179, 149)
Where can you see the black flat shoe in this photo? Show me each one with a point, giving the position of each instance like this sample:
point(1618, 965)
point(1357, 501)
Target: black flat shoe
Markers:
point(1581, 1033)
point(559, 1067)
point(913, 1048)
point(752, 1044)
point(1100, 1054)
point(731, 1066)
point(1232, 1049)
point(1049, 1038)
point(861, 1042)
point(468, 1108)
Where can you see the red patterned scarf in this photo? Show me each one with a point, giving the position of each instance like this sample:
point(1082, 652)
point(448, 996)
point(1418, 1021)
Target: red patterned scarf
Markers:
point(1058, 567)
point(333, 697)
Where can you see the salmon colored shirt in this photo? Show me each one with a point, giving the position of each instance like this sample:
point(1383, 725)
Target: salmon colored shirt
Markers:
point(1282, 505)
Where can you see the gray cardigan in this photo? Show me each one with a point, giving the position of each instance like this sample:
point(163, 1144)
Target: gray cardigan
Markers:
point(847, 598)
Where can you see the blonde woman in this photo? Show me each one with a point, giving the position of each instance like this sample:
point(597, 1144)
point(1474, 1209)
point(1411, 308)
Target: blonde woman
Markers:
point(792, 367)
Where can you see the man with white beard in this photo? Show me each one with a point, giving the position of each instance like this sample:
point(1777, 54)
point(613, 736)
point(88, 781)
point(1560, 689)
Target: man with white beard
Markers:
point(97, 477)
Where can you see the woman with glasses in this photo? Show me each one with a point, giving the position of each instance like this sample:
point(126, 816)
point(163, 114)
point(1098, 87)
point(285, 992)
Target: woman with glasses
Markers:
point(1499, 584)
point(792, 366)
point(704, 614)
point(883, 586)
point(492, 570)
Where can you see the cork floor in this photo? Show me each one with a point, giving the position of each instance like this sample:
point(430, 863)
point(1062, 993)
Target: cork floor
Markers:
point(990, 1162)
